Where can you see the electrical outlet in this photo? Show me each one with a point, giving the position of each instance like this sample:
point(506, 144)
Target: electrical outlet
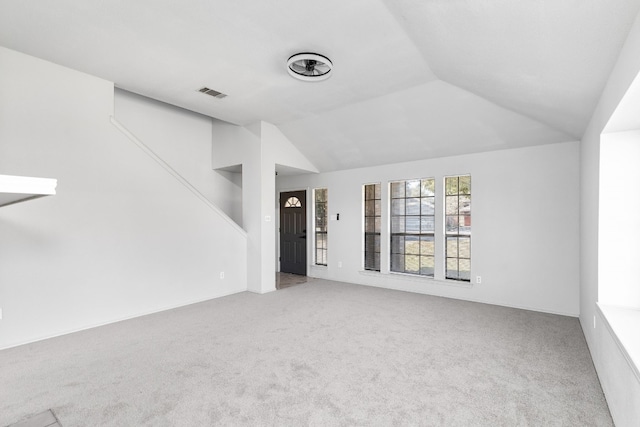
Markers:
point(222, 274)
point(339, 264)
point(478, 279)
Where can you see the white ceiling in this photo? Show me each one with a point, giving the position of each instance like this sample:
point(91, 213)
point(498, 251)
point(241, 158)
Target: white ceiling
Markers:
point(412, 79)
point(626, 117)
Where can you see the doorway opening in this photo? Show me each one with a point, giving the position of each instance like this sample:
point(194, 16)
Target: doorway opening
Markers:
point(293, 232)
point(287, 280)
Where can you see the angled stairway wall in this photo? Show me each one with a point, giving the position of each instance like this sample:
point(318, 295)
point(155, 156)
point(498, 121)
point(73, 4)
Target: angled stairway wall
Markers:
point(183, 139)
point(121, 238)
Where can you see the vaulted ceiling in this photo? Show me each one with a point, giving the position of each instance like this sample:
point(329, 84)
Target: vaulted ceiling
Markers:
point(412, 78)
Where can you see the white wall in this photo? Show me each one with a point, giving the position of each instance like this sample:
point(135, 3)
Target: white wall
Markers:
point(619, 227)
point(121, 238)
point(623, 74)
point(183, 139)
point(278, 151)
point(620, 385)
point(525, 213)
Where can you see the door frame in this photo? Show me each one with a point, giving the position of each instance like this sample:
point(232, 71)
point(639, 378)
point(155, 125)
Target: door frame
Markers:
point(309, 223)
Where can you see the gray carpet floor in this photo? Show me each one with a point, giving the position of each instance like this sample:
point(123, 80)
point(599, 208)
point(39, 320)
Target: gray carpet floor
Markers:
point(320, 353)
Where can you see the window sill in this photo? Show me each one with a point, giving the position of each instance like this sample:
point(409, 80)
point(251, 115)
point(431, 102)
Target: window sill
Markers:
point(417, 279)
point(15, 189)
point(624, 323)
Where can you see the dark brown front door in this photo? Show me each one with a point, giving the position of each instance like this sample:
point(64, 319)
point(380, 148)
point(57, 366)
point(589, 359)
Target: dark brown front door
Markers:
point(293, 232)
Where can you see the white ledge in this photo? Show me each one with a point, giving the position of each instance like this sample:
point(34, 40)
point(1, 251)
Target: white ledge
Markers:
point(624, 324)
point(15, 189)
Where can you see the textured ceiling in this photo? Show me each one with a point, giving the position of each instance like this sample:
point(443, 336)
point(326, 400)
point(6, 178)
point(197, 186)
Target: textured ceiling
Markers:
point(412, 79)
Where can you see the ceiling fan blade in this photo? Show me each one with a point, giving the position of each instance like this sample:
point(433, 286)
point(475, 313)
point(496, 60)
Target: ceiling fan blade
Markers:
point(299, 68)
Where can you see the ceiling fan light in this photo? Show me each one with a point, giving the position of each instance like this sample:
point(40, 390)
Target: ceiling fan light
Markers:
point(309, 67)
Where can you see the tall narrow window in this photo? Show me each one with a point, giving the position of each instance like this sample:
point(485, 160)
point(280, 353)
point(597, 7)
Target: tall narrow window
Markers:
point(458, 227)
point(321, 225)
point(372, 227)
point(413, 226)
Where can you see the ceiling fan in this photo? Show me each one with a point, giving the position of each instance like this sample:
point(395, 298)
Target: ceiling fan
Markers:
point(310, 67)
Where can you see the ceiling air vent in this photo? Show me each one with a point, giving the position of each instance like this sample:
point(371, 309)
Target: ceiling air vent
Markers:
point(212, 92)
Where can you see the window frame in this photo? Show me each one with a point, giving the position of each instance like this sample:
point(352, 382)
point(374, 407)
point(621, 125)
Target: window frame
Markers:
point(420, 248)
point(372, 226)
point(456, 210)
point(320, 227)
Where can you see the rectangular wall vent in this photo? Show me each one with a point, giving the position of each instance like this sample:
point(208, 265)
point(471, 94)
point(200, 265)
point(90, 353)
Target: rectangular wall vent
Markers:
point(212, 92)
